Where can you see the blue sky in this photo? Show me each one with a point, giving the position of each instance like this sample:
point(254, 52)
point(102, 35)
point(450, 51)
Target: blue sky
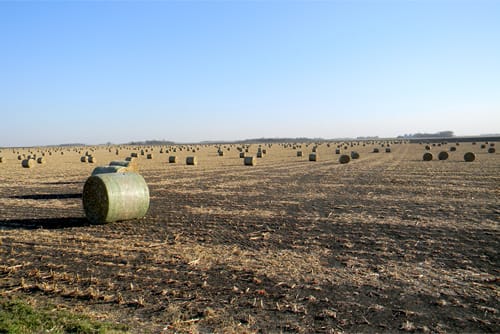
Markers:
point(97, 72)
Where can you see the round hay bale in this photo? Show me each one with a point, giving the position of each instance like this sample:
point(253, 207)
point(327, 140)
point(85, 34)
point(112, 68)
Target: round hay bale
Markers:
point(1, 160)
point(376, 150)
point(149, 156)
point(337, 151)
point(92, 159)
point(250, 161)
point(483, 146)
point(299, 153)
point(427, 147)
point(313, 157)
point(114, 197)
point(41, 160)
point(443, 155)
point(242, 155)
point(387, 150)
point(134, 155)
point(84, 158)
point(492, 144)
point(191, 161)
point(354, 155)
point(28, 163)
point(259, 154)
point(172, 159)
point(491, 150)
point(131, 164)
point(469, 156)
point(453, 149)
point(221, 153)
point(19, 157)
point(428, 156)
point(109, 169)
point(344, 158)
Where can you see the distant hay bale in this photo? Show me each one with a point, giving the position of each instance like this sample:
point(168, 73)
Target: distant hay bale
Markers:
point(344, 158)
point(114, 197)
point(337, 151)
point(483, 146)
point(41, 160)
point(242, 155)
point(469, 156)
point(1, 160)
point(92, 159)
point(28, 163)
point(220, 153)
point(299, 153)
point(191, 161)
point(453, 149)
point(376, 150)
point(313, 157)
point(443, 155)
point(149, 156)
point(428, 156)
point(134, 154)
point(427, 147)
point(19, 157)
point(387, 150)
point(492, 144)
point(131, 165)
point(109, 169)
point(84, 158)
point(354, 155)
point(491, 150)
point(172, 159)
point(259, 154)
point(250, 161)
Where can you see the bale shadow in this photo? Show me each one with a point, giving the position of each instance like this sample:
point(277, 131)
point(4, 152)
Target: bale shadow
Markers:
point(63, 182)
point(46, 223)
point(48, 196)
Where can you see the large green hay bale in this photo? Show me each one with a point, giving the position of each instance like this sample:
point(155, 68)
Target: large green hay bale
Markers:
point(427, 156)
point(109, 169)
point(28, 163)
point(469, 157)
point(443, 155)
point(250, 161)
point(313, 157)
point(191, 161)
point(344, 158)
point(114, 197)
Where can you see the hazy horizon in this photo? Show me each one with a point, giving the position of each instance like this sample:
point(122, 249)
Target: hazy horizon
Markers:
point(97, 72)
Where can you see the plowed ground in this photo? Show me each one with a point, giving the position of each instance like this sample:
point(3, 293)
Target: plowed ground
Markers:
point(385, 243)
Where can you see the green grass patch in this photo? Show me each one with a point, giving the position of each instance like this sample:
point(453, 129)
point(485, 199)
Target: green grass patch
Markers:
point(18, 317)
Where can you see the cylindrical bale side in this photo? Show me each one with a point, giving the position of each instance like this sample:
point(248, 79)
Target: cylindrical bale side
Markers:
point(115, 196)
point(109, 169)
point(387, 150)
point(250, 161)
point(1, 160)
point(41, 160)
point(344, 158)
point(427, 156)
point(259, 154)
point(299, 153)
point(28, 163)
point(469, 156)
point(242, 155)
point(337, 151)
point(92, 159)
point(443, 155)
point(491, 150)
point(313, 157)
point(354, 155)
point(149, 156)
point(172, 159)
point(133, 154)
point(376, 150)
point(191, 161)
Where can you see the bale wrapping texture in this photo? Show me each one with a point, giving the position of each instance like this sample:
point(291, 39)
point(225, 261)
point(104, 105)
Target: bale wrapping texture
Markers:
point(109, 169)
point(469, 156)
point(250, 161)
point(114, 197)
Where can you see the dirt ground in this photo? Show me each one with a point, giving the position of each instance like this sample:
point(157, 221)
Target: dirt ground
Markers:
point(385, 243)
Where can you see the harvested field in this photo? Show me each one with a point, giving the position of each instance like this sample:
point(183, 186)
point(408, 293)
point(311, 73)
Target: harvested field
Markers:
point(385, 243)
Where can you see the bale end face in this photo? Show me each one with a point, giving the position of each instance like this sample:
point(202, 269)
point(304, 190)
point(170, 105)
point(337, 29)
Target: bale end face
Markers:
point(172, 159)
point(313, 157)
point(443, 155)
point(344, 158)
point(469, 157)
point(427, 156)
point(28, 163)
point(250, 161)
point(191, 161)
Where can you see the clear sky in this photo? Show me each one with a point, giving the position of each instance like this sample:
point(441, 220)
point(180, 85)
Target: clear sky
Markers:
point(97, 72)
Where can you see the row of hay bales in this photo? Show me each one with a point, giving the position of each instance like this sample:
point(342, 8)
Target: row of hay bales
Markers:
point(443, 155)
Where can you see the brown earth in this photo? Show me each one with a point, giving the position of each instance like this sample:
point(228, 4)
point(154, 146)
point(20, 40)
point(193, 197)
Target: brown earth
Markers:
point(385, 243)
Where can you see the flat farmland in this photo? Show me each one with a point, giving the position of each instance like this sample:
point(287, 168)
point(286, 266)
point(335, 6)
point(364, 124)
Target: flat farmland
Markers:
point(385, 243)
